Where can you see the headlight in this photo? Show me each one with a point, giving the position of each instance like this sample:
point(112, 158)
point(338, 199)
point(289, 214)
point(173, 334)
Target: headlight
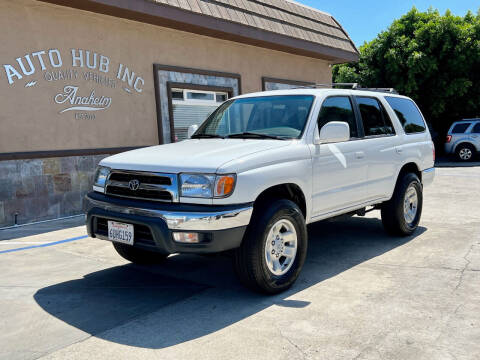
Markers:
point(101, 177)
point(206, 185)
point(197, 185)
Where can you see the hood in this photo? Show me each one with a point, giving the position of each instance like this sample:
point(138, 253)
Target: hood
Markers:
point(194, 155)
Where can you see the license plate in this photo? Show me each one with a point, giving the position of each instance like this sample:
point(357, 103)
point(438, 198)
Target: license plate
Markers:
point(120, 232)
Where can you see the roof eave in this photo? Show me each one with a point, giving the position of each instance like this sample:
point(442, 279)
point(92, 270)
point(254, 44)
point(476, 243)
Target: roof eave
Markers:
point(176, 18)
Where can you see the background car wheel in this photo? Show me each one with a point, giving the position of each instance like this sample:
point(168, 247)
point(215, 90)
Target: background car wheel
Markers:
point(273, 249)
point(465, 152)
point(401, 214)
point(138, 256)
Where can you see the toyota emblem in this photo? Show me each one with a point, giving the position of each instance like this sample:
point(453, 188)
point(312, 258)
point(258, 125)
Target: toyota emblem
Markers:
point(133, 185)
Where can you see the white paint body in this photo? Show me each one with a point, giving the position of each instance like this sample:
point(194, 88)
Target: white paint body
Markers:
point(335, 178)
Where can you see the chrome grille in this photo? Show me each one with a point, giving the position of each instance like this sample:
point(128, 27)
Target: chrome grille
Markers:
point(150, 185)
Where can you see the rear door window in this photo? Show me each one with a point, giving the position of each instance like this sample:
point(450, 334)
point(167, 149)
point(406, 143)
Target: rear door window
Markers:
point(476, 128)
point(460, 128)
point(375, 119)
point(408, 114)
point(338, 108)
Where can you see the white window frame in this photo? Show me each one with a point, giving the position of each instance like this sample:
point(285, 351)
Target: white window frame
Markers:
point(186, 101)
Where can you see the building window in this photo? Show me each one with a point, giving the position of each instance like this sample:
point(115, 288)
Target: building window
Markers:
point(177, 95)
point(196, 97)
point(193, 107)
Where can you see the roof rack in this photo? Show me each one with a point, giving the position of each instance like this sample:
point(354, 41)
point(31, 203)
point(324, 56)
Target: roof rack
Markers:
point(353, 86)
point(386, 90)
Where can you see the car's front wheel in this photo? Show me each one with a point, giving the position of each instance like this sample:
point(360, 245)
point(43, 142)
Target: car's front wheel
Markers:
point(273, 249)
point(138, 256)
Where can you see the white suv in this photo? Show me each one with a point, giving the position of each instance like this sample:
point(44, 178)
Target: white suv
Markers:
point(259, 169)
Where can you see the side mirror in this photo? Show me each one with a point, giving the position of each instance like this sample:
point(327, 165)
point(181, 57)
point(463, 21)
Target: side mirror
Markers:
point(191, 130)
point(332, 132)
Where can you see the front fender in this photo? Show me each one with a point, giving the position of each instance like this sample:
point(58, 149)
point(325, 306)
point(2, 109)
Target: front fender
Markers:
point(251, 183)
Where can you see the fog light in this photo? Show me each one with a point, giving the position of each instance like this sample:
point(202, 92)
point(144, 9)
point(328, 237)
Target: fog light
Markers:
point(190, 238)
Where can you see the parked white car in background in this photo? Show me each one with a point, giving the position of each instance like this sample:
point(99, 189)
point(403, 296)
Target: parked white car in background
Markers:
point(259, 169)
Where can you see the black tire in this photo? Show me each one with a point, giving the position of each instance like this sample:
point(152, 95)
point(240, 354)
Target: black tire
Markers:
point(393, 217)
point(138, 256)
point(465, 152)
point(249, 260)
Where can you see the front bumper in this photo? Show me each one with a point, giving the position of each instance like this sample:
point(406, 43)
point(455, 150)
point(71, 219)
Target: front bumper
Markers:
point(220, 227)
point(427, 176)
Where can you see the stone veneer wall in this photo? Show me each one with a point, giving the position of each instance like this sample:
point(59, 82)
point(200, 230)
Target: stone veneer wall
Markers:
point(42, 189)
point(269, 85)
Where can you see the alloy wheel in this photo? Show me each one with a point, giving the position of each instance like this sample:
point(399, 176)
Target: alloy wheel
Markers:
point(281, 247)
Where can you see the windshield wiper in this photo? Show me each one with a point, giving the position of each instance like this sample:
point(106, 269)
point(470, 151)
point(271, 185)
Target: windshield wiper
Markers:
point(207, 136)
point(247, 134)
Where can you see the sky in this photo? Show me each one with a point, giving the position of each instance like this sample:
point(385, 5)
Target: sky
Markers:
point(364, 19)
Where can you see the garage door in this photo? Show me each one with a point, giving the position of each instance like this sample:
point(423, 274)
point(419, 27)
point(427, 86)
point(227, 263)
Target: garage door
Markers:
point(193, 107)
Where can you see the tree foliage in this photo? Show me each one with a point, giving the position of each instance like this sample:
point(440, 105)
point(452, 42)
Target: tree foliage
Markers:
point(433, 58)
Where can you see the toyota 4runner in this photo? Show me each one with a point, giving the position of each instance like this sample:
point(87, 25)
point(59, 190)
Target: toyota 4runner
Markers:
point(258, 170)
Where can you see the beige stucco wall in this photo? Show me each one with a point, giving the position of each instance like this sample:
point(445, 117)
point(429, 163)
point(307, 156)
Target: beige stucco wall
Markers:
point(30, 120)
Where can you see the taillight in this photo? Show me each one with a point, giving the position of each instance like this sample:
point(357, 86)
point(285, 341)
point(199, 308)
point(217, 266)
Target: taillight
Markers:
point(449, 138)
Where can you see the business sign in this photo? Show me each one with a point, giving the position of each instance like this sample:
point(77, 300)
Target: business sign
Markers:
point(85, 79)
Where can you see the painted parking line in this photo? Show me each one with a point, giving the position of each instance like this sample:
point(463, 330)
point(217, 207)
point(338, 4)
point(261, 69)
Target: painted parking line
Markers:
point(44, 244)
point(7, 242)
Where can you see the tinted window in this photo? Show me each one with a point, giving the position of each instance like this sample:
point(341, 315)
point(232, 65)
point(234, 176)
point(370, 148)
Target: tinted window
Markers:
point(460, 128)
point(408, 114)
point(476, 128)
point(338, 108)
point(375, 120)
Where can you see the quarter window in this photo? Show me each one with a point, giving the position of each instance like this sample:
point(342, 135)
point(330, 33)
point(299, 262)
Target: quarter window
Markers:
point(408, 114)
point(476, 128)
point(338, 108)
point(460, 128)
point(375, 119)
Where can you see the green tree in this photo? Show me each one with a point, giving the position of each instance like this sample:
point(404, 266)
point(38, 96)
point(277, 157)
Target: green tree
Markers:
point(434, 59)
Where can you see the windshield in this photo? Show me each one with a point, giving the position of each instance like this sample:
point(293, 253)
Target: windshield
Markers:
point(282, 117)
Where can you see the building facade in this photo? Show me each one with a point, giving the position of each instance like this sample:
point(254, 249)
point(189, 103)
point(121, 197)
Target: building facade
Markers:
point(83, 79)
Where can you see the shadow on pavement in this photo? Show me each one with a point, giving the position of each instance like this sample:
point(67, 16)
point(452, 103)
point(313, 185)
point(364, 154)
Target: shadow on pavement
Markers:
point(106, 299)
point(446, 162)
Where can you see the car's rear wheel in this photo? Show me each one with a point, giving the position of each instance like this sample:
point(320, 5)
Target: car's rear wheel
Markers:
point(401, 214)
point(273, 249)
point(465, 152)
point(138, 256)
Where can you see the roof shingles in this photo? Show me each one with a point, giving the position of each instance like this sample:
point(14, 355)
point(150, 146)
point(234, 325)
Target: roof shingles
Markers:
point(283, 17)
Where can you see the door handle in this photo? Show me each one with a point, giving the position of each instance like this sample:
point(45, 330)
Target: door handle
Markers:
point(359, 154)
